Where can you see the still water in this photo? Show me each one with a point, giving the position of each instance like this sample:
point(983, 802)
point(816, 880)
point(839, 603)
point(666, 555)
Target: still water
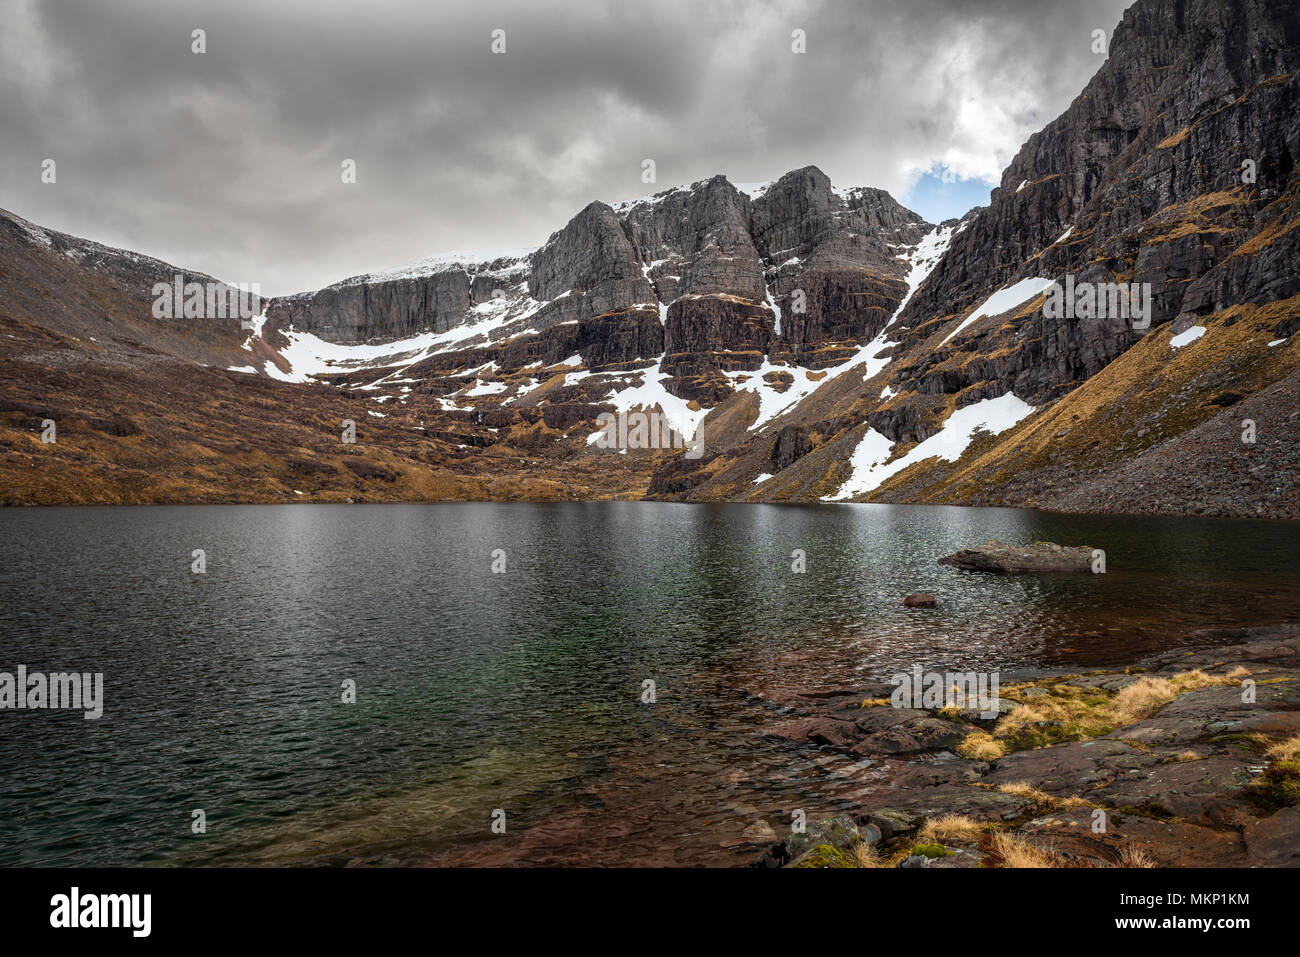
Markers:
point(522, 691)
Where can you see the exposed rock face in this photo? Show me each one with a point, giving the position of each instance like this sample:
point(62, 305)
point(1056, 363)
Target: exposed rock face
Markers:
point(792, 444)
point(720, 268)
point(838, 250)
point(1023, 560)
point(591, 262)
point(367, 308)
point(697, 242)
point(1142, 180)
point(1145, 172)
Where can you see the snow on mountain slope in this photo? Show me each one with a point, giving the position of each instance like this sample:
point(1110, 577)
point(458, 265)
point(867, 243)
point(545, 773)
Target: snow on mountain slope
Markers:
point(722, 267)
point(1003, 300)
point(922, 261)
point(871, 464)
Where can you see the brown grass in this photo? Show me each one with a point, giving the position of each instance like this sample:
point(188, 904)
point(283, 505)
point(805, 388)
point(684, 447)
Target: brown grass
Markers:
point(1130, 855)
point(1174, 139)
point(1026, 790)
point(981, 746)
point(868, 855)
point(1286, 750)
point(950, 827)
point(1012, 851)
point(1071, 713)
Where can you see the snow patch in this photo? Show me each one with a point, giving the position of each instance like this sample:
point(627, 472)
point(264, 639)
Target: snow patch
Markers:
point(651, 393)
point(1004, 300)
point(1063, 237)
point(924, 258)
point(869, 461)
point(468, 260)
point(1188, 337)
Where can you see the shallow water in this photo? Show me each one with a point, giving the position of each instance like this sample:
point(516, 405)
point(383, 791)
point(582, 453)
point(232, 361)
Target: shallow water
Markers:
point(522, 691)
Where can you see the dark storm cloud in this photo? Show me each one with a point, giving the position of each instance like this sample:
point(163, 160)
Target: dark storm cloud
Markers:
point(229, 161)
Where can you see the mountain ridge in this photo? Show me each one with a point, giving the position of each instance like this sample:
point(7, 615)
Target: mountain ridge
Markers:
point(810, 342)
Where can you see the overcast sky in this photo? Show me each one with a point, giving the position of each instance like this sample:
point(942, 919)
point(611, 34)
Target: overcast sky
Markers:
point(229, 161)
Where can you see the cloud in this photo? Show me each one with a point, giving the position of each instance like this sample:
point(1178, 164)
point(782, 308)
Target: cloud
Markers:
point(228, 161)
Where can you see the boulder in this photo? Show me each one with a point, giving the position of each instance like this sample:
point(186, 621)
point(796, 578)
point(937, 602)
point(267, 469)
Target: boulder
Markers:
point(1038, 558)
point(837, 832)
point(919, 600)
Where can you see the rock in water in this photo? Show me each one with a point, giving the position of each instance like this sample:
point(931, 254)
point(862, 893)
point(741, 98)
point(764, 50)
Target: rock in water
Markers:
point(838, 832)
point(919, 600)
point(1022, 560)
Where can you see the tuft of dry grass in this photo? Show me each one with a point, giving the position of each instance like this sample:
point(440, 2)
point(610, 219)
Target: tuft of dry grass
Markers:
point(1187, 756)
point(950, 827)
point(868, 855)
point(1148, 695)
point(1130, 855)
point(1026, 790)
point(865, 855)
point(1143, 697)
point(1238, 672)
point(981, 746)
point(1071, 713)
point(1012, 851)
point(1287, 750)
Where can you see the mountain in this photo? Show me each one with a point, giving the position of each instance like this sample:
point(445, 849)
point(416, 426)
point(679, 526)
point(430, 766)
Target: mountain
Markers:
point(797, 341)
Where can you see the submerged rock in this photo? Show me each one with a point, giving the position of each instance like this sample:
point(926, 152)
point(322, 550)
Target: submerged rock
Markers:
point(919, 600)
point(1022, 559)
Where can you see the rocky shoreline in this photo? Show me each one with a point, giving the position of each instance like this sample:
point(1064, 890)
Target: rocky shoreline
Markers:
point(1189, 758)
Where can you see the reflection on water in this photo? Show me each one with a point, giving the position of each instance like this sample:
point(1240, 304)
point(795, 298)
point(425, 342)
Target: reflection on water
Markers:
point(521, 691)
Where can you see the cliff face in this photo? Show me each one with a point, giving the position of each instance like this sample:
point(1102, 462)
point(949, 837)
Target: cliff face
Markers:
point(399, 305)
point(816, 342)
point(1173, 172)
point(798, 272)
point(1139, 181)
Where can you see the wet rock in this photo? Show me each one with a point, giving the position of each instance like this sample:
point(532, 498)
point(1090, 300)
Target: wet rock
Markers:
point(1201, 792)
point(889, 823)
point(1021, 560)
point(759, 832)
point(838, 832)
point(913, 735)
point(817, 729)
point(1072, 768)
point(919, 600)
point(981, 804)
